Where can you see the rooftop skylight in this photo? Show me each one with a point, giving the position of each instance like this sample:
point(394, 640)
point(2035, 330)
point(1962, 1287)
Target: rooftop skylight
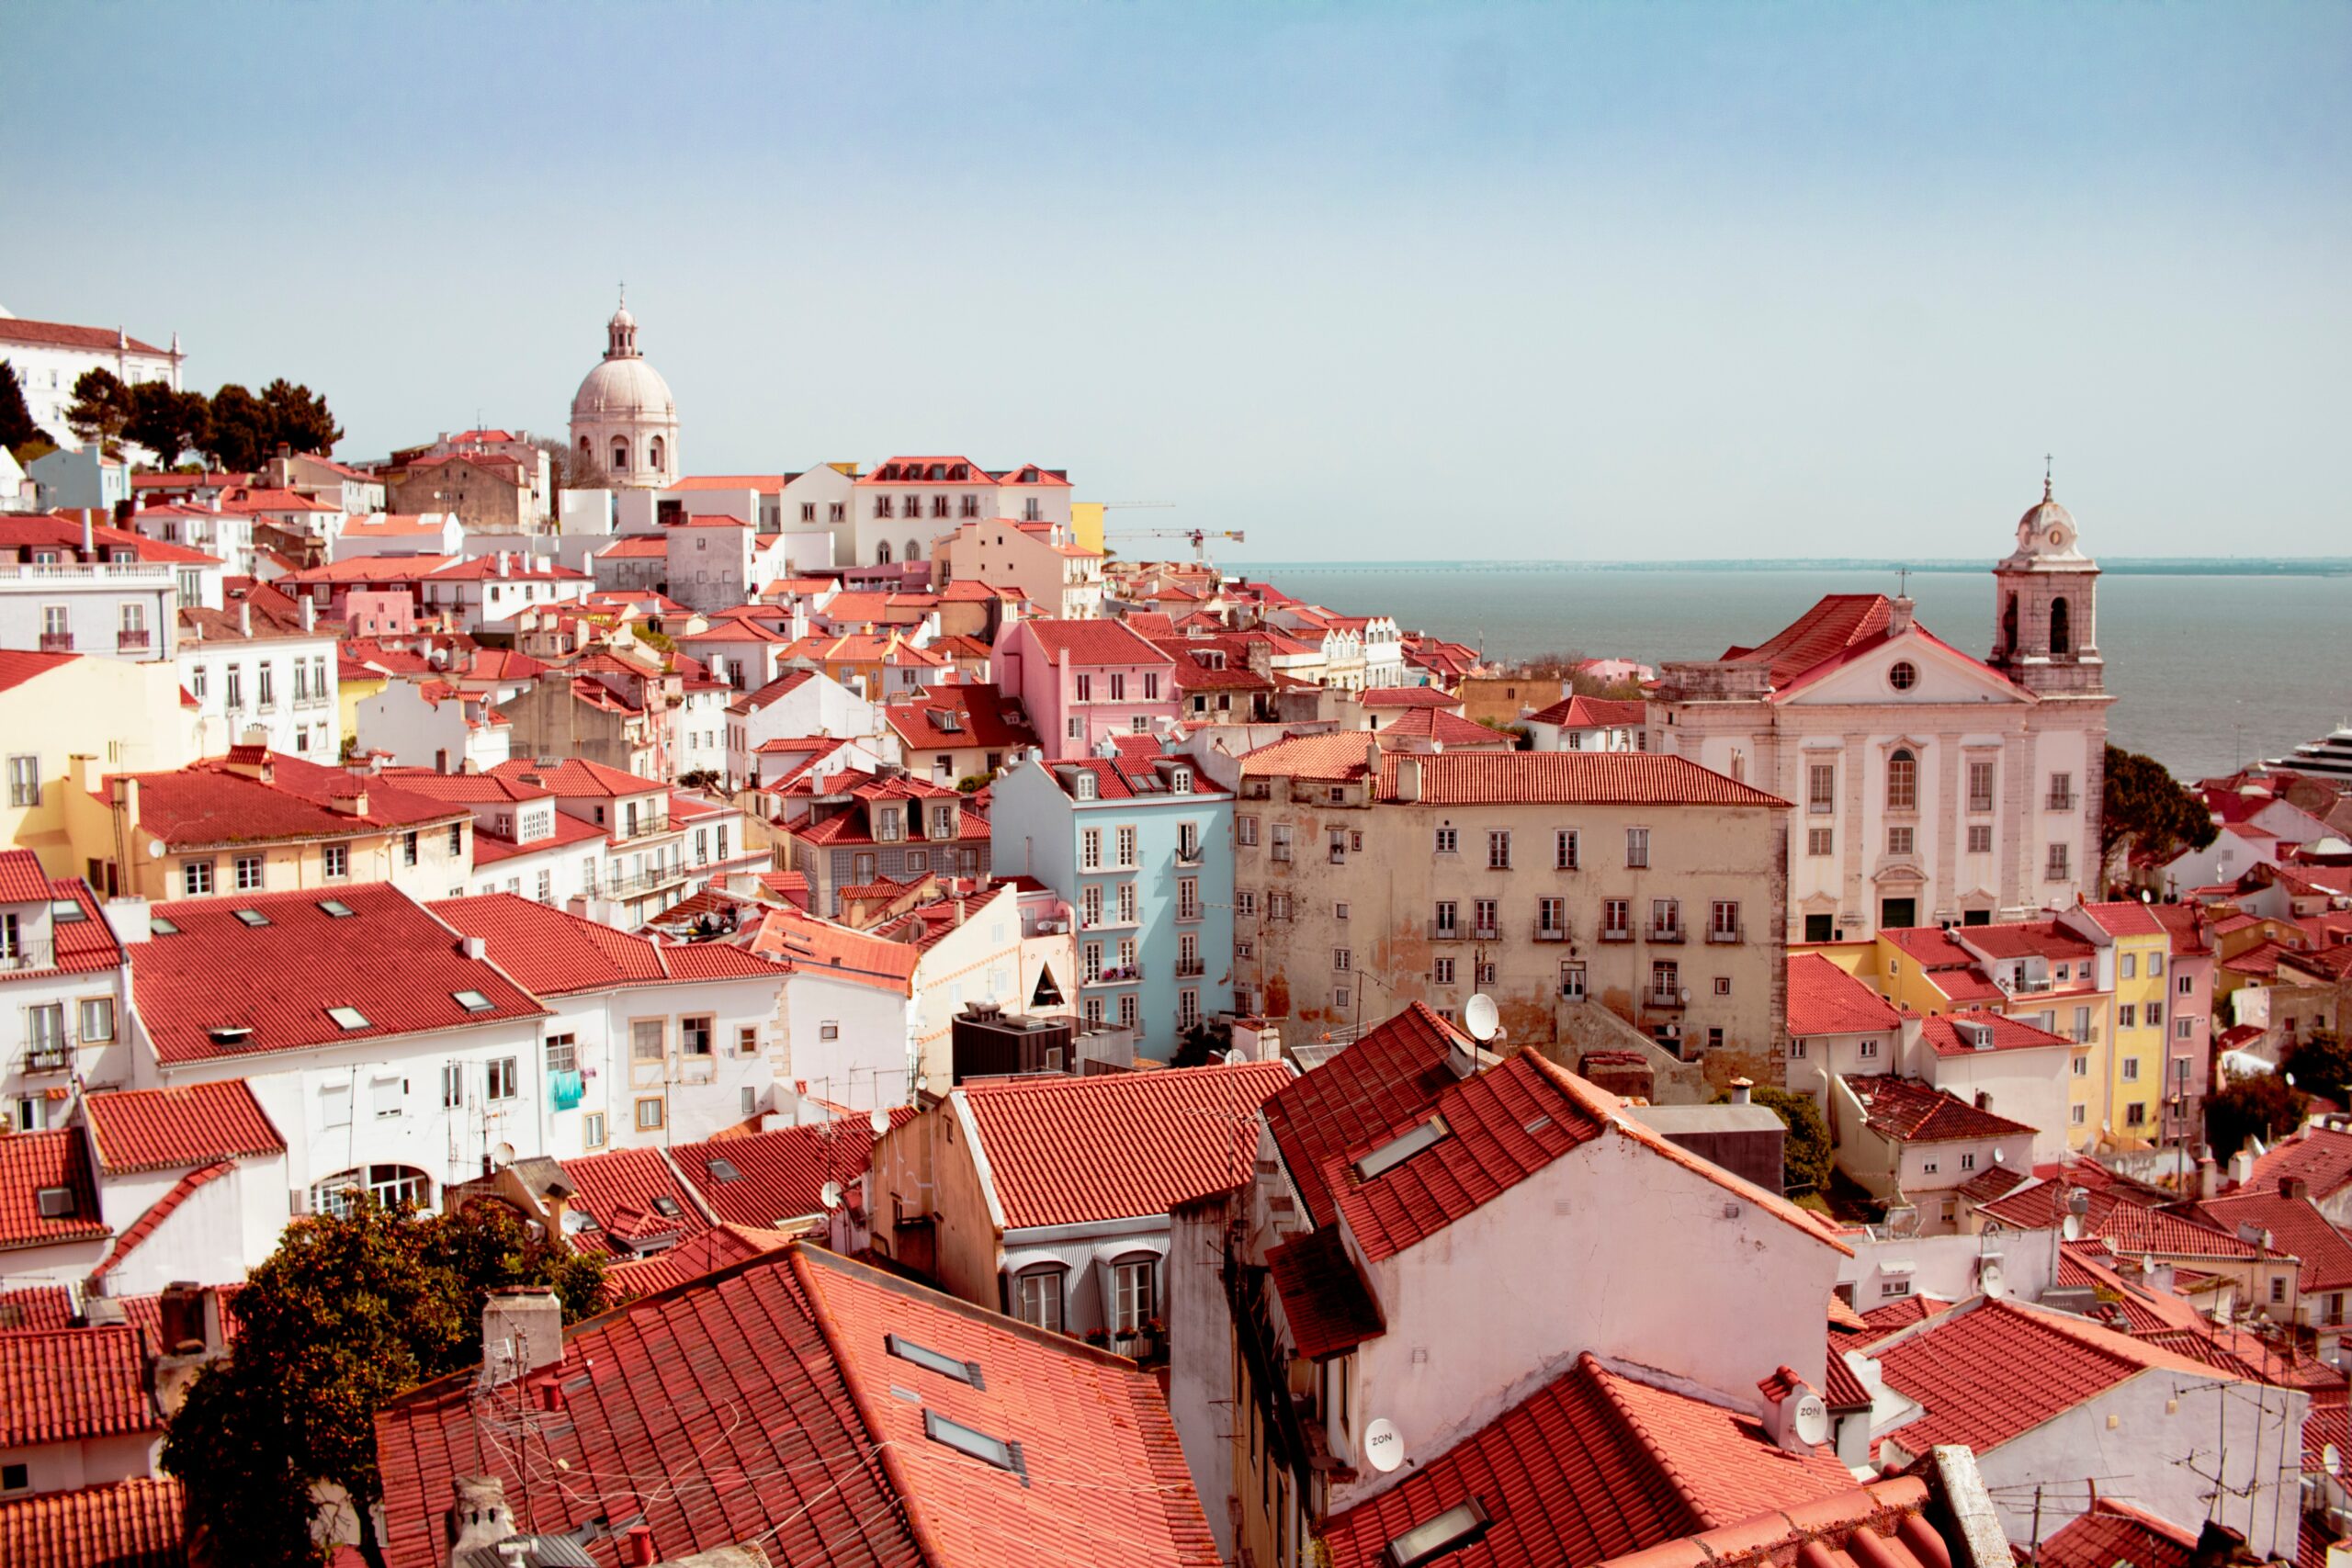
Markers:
point(472, 1001)
point(1402, 1147)
point(348, 1018)
point(1458, 1527)
point(158, 926)
point(932, 1361)
point(975, 1444)
point(666, 1206)
point(251, 917)
point(336, 909)
point(724, 1170)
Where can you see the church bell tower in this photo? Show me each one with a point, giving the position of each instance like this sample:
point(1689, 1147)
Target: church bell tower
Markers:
point(2045, 633)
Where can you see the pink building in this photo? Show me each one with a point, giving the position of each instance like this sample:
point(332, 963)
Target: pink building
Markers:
point(1081, 681)
point(378, 612)
point(2187, 1072)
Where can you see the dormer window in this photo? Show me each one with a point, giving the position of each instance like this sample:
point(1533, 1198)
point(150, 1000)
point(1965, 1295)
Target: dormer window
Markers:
point(886, 824)
point(1179, 782)
point(1082, 786)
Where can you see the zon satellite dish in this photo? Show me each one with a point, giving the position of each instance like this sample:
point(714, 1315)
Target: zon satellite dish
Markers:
point(2330, 1460)
point(1811, 1420)
point(155, 848)
point(879, 1120)
point(831, 1195)
point(1383, 1446)
point(1479, 1017)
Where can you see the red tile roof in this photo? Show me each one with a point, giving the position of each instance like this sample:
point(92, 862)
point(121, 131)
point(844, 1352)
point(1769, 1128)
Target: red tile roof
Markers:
point(2025, 938)
point(1592, 1465)
point(825, 1463)
point(2127, 1222)
point(1825, 999)
point(1991, 1370)
point(554, 954)
point(985, 717)
point(31, 1163)
point(1841, 1388)
point(67, 1384)
point(1447, 729)
point(17, 666)
point(1324, 1298)
point(1377, 1086)
point(59, 334)
point(1883, 1524)
point(779, 1176)
point(156, 1128)
point(130, 1524)
point(1406, 697)
point(22, 881)
point(1915, 1111)
point(2321, 1156)
point(577, 777)
point(1593, 713)
point(1133, 776)
point(207, 803)
point(802, 942)
point(2111, 1533)
point(2295, 1224)
point(721, 1247)
point(2008, 1033)
point(626, 1192)
point(38, 1306)
point(2124, 917)
point(1094, 642)
point(1837, 622)
point(1076, 1150)
point(390, 960)
point(1568, 778)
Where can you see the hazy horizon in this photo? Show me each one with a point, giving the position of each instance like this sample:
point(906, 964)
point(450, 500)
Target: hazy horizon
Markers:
point(1557, 283)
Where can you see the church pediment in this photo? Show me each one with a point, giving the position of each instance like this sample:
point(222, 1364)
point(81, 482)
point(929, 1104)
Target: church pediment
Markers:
point(1909, 668)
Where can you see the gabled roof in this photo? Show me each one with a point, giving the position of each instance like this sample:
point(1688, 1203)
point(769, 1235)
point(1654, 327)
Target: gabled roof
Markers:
point(773, 1179)
point(1593, 713)
point(1325, 1302)
point(828, 1463)
point(1592, 1465)
point(1989, 1371)
point(556, 954)
point(2110, 1533)
point(401, 969)
point(18, 666)
point(2321, 1156)
point(1447, 729)
point(158, 1129)
point(1377, 1086)
point(1094, 642)
point(32, 1163)
point(983, 717)
point(803, 942)
point(1133, 775)
point(21, 878)
point(2295, 1224)
point(209, 802)
point(129, 1524)
point(636, 1200)
point(1825, 999)
point(2124, 917)
point(61, 335)
point(162, 1209)
point(1918, 1112)
point(1944, 1036)
point(1077, 1150)
point(578, 778)
point(61, 1386)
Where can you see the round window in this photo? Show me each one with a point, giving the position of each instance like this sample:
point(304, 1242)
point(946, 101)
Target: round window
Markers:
point(1903, 675)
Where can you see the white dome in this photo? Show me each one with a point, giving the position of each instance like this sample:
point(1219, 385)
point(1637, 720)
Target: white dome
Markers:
point(623, 389)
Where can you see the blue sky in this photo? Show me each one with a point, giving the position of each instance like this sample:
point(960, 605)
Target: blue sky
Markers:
point(1369, 281)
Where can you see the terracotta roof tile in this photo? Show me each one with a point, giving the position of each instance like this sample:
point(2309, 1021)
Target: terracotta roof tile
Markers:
point(1825, 999)
point(130, 1524)
point(1593, 713)
point(155, 1129)
point(1569, 778)
point(2008, 1034)
point(803, 941)
point(556, 954)
point(636, 1200)
point(2112, 1533)
point(779, 1176)
point(2296, 1226)
point(721, 1247)
point(61, 335)
point(1915, 1111)
point(1836, 622)
point(208, 803)
point(1095, 643)
point(1377, 1086)
point(32, 1163)
point(2321, 1156)
point(72, 1384)
point(1324, 1298)
point(1071, 1150)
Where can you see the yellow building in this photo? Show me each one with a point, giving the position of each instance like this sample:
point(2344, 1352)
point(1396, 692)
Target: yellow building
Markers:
point(1086, 525)
point(2134, 952)
point(358, 684)
point(56, 706)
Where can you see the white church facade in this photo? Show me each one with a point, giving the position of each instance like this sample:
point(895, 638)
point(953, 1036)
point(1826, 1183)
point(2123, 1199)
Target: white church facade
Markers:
point(1931, 787)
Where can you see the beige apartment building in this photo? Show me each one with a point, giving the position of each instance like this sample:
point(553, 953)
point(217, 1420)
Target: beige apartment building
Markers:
point(1558, 883)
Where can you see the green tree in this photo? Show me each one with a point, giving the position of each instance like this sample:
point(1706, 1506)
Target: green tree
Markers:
point(2267, 1107)
point(241, 435)
point(101, 407)
point(1805, 1155)
point(350, 1311)
point(17, 426)
point(167, 422)
point(2144, 809)
point(2321, 1063)
point(298, 420)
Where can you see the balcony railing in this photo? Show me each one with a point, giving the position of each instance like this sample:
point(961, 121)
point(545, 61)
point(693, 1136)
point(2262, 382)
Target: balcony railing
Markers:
point(1486, 933)
point(1188, 911)
point(1616, 933)
point(1118, 975)
point(49, 1056)
point(2061, 803)
point(636, 884)
point(130, 638)
point(1669, 1000)
point(25, 955)
point(1666, 934)
point(646, 827)
point(1188, 856)
point(1724, 933)
point(1446, 931)
point(57, 642)
point(85, 571)
point(1190, 968)
point(1551, 933)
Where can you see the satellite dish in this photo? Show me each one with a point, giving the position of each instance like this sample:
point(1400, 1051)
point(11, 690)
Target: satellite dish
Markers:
point(1234, 1057)
point(1383, 1446)
point(2000, 1156)
point(1479, 1017)
point(2330, 1460)
point(155, 848)
point(502, 1156)
point(831, 1196)
point(1811, 1418)
point(879, 1120)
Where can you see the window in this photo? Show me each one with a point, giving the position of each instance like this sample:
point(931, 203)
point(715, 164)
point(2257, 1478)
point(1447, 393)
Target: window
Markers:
point(1821, 788)
point(336, 861)
point(1338, 912)
point(1616, 919)
point(2130, 1069)
point(1188, 1008)
point(1441, 971)
point(563, 1054)
point(1188, 897)
point(1086, 688)
point(98, 1019)
point(1342, 959)
point(1666, 980)
point(1819, 840)
point(1551, 918)
point(1127, 846)
point(503, 1078)
point(235, 687)
point(1486, 919)
point(1980, 838)
point(1564, 849)
point(248, 872)
point(1499, 850)
point(196, 878)
point(1723, 921)
point(2127, 965)
point(456, 838)
point(1867, 1049)
point(1089, 848)
point(2061, 792)
point(2183, 1028)
point(1722, 984)
point(1902, 782)
point(648, 1041)
point(390, 1185)
point(1280, 845)
point(2155, 965)
point(24, 780)
point(2074, 1115)
point(1902, 674)
point(1666, 920)
point(2187, 986)
point(2059, 863)
point(1128, 1011)
point(265, 677)
point(1245, 830)
point(2126, 1016)
point(1980, 786)
point(1572, 982)
point(1796, 1048)
point(1637, 847)
point(649, 1114)
point(1899, 838)
point(746, 1040)
point(1037, 1298)
point(2154, 1015)
point(385, 1097)
point(1449, 841)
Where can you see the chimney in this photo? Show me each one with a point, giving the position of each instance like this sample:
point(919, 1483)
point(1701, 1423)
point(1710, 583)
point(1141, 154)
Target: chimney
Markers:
point(522, 1330)
point(2241, 1168)
point(1898, 615)
point(1794, 1417)
point(1409, 778)
point(244, 617)
point(310, 615)
point(477, 949)
point(505, 564)
point(2294, 1187)
point(477, 1520)
point(2209, 1175)
point(128, 916)
point(637, 1546)
point(2217, 1544)
point(1743, 1091)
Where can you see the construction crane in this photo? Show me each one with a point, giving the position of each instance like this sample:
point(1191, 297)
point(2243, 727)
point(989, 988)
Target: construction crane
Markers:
point(1200, 536)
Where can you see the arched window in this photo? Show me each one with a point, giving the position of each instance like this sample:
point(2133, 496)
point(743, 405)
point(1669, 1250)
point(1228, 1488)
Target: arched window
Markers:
point(882, 553)
point(2009, 627)
point(653, 456)
point(2061, 631)
point(1035, 1295)
point(1133, 1293)
point(587, 447)
point(914, 550)
point(620, 454)
point(388, 1184)
point(1902, 782)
